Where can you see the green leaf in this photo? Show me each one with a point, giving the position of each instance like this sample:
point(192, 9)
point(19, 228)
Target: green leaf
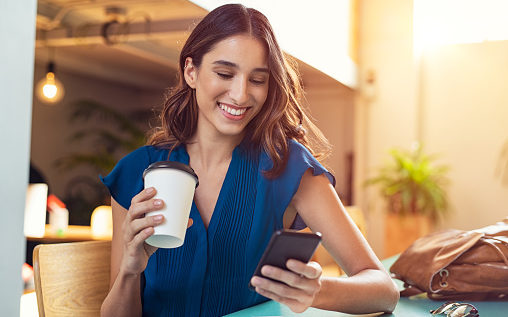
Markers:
point(412, 183)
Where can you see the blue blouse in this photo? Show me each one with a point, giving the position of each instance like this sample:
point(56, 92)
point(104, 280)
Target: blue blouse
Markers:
point(209, 274)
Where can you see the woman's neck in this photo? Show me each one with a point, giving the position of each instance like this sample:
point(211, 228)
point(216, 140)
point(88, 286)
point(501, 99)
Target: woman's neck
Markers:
point(208, 153)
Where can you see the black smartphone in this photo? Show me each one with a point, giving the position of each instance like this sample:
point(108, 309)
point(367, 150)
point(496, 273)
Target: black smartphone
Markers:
point(288, 244)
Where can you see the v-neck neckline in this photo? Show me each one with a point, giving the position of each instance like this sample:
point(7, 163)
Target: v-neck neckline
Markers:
point(225, 188)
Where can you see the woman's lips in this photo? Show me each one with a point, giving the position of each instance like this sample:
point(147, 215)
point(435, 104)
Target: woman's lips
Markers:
point(232, 112)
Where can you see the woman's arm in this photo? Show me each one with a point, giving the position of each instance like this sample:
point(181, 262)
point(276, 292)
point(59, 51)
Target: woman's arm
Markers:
point(129, 254)
point(368, 288)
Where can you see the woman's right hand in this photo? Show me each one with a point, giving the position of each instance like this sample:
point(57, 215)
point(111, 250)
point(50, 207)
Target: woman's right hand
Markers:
point(137, 228)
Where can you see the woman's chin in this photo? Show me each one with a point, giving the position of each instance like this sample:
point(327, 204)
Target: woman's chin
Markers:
point(232, 130)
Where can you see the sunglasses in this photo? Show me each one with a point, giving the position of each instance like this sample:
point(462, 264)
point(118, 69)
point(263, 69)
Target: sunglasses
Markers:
point(453, 309)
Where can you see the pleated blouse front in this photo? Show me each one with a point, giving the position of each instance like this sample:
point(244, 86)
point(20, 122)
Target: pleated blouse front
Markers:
point(209, 274)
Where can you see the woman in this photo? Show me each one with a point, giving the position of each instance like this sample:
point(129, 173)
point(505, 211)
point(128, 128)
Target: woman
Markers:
point(235, 118)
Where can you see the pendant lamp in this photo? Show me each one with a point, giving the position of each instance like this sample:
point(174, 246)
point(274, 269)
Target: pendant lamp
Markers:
point(49, 89)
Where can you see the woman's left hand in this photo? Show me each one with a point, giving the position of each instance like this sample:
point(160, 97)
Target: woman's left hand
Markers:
point(298, 286)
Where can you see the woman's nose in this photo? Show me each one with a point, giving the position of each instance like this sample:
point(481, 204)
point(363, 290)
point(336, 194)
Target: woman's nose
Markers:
point(239, 91)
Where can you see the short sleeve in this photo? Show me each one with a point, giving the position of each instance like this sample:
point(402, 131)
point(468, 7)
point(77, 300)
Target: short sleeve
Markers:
point(286, 185)
point(126, 179)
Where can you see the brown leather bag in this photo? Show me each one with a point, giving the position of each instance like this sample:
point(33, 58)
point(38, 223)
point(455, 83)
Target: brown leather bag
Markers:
point(457, 264)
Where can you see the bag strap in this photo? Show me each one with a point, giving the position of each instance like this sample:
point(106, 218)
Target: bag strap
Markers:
point(410, 290)
point(498, 250)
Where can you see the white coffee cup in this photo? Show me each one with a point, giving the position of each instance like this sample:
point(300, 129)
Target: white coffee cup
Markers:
point(175, 184)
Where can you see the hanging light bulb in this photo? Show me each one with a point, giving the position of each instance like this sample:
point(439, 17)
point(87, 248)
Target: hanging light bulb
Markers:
point(49, 89)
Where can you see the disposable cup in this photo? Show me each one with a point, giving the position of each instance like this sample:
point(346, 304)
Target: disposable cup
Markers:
point(175, 184)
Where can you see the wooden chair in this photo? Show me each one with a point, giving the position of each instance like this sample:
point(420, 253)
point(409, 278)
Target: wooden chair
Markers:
point(71, 279)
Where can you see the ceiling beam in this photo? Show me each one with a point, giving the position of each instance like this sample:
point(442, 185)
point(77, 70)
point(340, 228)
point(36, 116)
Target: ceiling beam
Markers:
point(87, 34)
point(150, 51)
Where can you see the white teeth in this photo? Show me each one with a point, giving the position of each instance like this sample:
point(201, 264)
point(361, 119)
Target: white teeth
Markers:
point(234, 112)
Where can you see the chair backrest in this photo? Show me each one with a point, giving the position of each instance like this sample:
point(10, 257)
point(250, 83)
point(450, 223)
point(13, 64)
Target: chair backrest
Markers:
point(71, 279)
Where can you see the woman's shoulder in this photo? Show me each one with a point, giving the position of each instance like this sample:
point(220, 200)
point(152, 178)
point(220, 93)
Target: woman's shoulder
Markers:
point(293, 146)
point(298, 157)
point(145, 154)
point(296, 152)
point(296, 148)
point(126, 178)
point(301, 159)
point(265, 160)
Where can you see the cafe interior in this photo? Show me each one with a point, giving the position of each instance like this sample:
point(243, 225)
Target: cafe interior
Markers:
point(394, 86)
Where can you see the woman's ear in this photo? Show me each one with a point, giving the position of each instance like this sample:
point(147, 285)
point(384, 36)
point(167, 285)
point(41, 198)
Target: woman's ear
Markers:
point(189, 73)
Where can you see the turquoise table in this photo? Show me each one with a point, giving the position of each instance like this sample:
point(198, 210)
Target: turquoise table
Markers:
point(407, 307)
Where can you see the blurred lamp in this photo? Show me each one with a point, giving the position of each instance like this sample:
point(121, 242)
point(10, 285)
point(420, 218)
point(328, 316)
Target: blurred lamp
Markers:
point(35, 210)
point(102, 222)
point(49, 89)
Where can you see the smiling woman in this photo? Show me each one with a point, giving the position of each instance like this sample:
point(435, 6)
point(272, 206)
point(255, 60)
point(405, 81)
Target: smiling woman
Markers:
point(236, 118)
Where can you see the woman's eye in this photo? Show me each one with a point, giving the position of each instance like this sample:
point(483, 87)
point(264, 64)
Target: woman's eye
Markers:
point(225, 76)
point(258, 81)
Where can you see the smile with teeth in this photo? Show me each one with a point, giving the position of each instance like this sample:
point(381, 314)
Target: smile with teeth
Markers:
point(231, 111)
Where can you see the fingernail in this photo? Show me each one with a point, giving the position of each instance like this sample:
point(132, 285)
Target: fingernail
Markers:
point(149, 190)
point(158, 218)
point(157, 202)
point(266, 270)
point(254, 281)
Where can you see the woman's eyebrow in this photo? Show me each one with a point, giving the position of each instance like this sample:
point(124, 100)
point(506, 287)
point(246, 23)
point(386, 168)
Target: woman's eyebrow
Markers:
point(233, 65)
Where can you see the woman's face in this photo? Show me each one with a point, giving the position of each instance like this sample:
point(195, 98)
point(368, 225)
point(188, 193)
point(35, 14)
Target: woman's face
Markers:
point(231, 85)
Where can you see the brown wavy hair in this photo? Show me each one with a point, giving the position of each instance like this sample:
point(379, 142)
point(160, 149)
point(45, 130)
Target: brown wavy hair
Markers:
point(282, 117)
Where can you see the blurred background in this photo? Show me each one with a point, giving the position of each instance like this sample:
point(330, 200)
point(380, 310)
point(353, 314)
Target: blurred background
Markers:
point(411, 94)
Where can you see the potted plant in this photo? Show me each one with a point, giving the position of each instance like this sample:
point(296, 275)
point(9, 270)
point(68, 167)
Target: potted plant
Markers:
point(117, 135)
point(105, 135)
point(414, 189)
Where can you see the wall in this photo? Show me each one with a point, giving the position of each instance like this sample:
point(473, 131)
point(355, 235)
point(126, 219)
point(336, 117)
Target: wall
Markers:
point(17, 35)
point(455, 102)
point(465, 104)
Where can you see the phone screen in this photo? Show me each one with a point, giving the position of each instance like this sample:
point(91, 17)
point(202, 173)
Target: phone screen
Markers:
point(288, 244)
